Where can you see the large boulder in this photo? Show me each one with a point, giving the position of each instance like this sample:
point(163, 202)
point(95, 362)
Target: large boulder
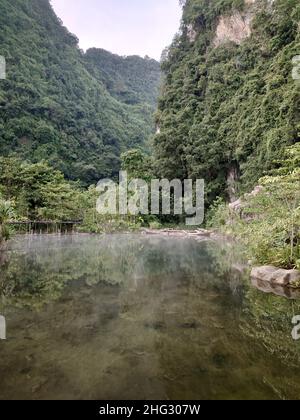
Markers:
point(276, 276)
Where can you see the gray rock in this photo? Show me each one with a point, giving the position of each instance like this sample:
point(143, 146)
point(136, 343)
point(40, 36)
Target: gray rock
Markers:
point(276, 276)
point(239, 204)
point(266, 287)
point(257, 190)
point(236, 206)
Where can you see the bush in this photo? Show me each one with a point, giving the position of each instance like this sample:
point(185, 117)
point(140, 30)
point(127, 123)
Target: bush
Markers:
point(269, 223)
point(6, 213)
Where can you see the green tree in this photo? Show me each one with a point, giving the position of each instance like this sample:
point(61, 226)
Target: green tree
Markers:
point(6, 214)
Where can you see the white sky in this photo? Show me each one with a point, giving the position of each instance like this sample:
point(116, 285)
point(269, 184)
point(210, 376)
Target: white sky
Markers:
point(124, 27)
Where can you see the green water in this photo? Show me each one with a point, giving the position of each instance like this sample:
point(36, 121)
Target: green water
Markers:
point(139, 317)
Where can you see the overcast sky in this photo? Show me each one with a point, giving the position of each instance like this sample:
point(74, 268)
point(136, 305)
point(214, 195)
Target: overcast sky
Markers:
point(124, 27)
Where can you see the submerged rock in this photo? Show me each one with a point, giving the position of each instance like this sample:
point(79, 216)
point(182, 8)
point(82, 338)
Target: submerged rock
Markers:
point(277, 276)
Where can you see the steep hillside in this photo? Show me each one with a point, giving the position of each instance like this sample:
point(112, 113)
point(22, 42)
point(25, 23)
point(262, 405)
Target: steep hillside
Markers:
point(53, 108)
point(230, 105)
point(132, 80)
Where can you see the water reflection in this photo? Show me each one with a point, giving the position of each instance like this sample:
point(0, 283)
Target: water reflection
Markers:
point(126, 316)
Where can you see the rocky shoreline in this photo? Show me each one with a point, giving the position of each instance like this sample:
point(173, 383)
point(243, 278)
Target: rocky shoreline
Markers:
point(269, 279)
point(202, 234)
point(277, 276)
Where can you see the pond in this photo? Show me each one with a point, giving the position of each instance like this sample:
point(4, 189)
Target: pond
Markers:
point(140, 317)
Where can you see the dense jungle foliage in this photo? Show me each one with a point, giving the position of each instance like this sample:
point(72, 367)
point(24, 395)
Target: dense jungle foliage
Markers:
point(229, 108)
point(59, 106)
point(132, 80)
point(229, 112)
point(268, 223)
point(38, 192)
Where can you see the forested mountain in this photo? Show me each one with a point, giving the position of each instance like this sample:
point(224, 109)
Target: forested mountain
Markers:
point(58, 105)
point(132, 80)
point(229, 105)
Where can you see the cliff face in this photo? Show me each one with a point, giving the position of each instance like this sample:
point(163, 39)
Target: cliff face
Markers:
point(229, 103)
point(235, 28)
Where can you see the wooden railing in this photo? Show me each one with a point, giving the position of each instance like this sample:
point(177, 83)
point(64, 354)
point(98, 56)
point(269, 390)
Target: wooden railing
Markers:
point(45, 222)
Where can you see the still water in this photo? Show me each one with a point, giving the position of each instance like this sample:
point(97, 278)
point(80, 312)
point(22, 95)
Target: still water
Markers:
point(140, 317)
